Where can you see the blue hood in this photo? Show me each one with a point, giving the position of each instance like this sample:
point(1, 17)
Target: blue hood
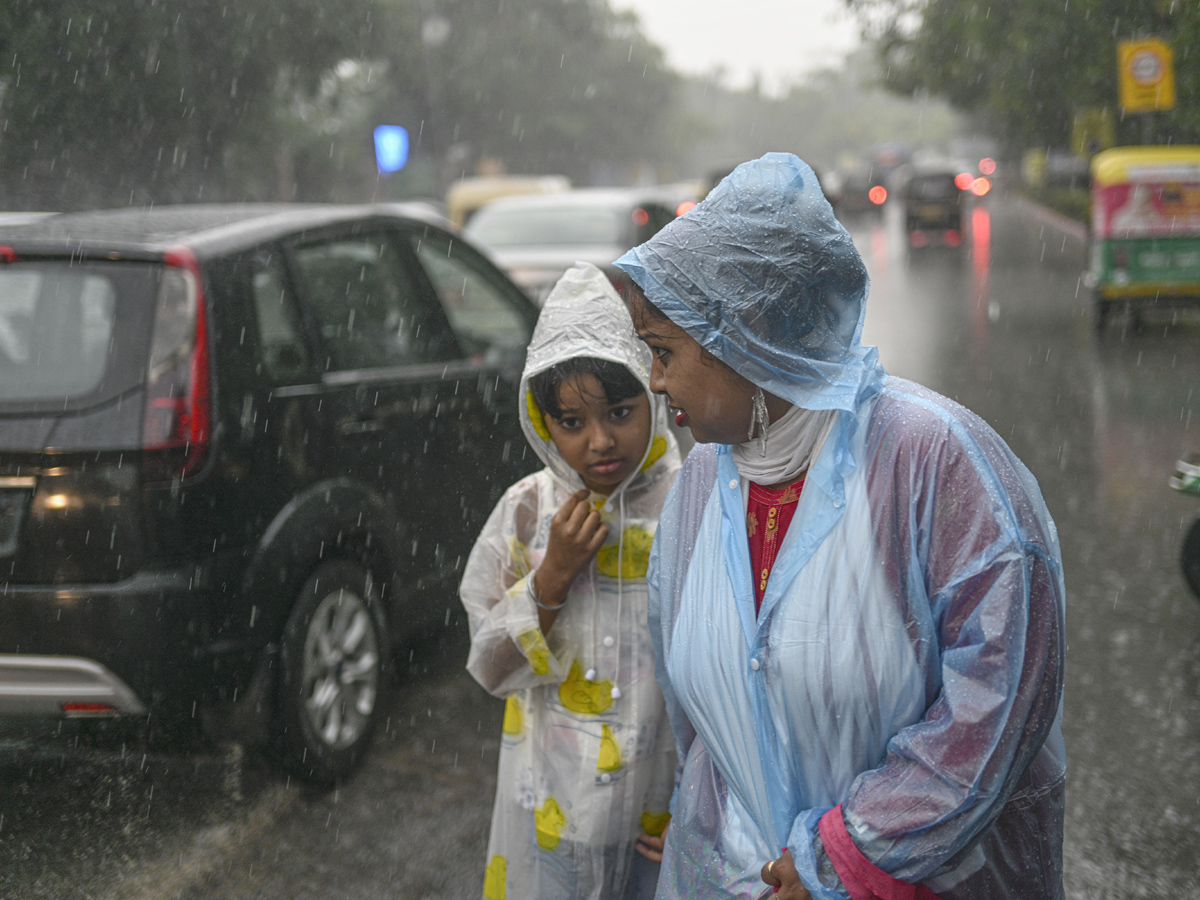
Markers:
point(766, 279)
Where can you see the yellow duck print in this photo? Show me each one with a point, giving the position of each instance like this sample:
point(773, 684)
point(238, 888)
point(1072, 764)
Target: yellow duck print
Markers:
point(518, 553)
point(514, 718)
point(494, 878)
point(589, 698)
point(550, 822)
point(610, 753)
point(657, 448)
point(536, 651)
point(634, 558)
point(655, 824)
point(535, 417)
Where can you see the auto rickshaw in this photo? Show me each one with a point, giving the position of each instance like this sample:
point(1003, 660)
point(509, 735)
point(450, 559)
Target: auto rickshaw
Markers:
point(1145, 229)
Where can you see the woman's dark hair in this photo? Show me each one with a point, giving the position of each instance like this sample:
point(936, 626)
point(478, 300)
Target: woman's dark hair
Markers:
point(617, 382)
point(630, 291)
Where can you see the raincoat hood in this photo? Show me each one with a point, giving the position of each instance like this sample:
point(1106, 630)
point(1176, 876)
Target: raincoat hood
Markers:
point(584, 316)
point(763, 276)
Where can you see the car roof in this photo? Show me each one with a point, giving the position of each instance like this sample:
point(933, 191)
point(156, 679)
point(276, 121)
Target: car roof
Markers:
point(207, 229)
point(599, 197)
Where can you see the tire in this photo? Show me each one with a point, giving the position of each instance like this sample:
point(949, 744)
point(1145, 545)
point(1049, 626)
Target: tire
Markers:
point(334, 669)
point(1190, 558)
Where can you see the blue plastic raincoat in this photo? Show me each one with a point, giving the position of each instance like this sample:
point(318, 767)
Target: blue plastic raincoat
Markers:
point(906, 666)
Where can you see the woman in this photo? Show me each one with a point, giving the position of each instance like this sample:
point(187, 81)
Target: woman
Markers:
point(856, 595)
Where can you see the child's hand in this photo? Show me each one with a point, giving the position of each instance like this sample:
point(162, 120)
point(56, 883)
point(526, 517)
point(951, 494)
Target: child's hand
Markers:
point(576, 533)
point(651, 846)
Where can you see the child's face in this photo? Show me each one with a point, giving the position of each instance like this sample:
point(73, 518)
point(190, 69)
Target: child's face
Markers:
point(603, 442)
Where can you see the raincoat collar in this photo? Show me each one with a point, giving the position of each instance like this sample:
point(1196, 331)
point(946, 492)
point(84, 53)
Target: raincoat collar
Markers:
point(765, 278)
point(584, 316)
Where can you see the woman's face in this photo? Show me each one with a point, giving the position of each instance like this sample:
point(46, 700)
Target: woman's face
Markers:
point(706, 395)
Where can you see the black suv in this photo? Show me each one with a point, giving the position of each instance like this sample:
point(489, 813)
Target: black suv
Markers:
point(243, 449)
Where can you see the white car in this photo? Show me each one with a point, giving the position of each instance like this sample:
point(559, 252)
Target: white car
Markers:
point(535, 238)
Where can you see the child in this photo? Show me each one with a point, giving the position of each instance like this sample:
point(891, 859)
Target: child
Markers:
point(555, 589)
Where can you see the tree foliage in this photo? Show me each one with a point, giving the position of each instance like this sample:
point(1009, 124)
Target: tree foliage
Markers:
point(104, 100)
point(134, 101)
point(564, 86)
point(1028, 66)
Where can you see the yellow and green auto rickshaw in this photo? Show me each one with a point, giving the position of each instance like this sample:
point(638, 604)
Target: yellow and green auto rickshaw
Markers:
point(1145, 228)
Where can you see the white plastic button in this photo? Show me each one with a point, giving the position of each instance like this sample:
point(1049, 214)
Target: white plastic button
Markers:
point(589, 675)
point(608, 642)
point(754, 664)
point(605, 778)
point(616, 693)
point(733, 484)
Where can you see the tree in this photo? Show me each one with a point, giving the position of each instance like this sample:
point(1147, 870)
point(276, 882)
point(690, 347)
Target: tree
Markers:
point(127, 101)
point(561, 86)
point(1028, 66)
point(113, 102)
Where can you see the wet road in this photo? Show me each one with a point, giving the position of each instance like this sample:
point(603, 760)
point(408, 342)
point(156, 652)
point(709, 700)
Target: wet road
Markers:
point(1004, 327)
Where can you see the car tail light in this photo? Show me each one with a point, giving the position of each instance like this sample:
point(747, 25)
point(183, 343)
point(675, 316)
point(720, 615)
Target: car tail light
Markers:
point(176, 427)
point(684, 207)
point(82, 710)
point(877, 194)
point(918, 239)
point(987, 165)
point(640, 217)
point(7, 254)
point(952, 237)
point(964, 180)
point(980, 186)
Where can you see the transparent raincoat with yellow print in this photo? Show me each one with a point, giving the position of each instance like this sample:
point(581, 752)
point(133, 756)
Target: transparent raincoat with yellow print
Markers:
point(587, 759)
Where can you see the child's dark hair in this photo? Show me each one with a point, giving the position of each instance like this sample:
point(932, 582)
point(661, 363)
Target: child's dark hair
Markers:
point(617, 382)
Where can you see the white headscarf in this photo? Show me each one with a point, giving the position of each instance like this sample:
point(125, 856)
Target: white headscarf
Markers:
point(793, 442)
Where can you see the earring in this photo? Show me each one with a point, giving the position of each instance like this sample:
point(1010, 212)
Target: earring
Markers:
point(759, 421)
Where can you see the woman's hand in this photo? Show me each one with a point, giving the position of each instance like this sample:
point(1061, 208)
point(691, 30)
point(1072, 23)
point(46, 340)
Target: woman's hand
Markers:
point(576, 534)
point(650, 846)
point(780, 873)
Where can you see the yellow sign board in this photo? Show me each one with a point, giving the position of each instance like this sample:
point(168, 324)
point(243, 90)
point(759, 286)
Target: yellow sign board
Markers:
point(1145, 75)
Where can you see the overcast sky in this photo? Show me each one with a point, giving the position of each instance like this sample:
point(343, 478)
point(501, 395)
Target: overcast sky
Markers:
point(780, 39)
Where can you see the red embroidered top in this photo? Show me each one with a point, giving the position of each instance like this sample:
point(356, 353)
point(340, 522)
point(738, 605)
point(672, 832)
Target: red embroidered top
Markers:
point(768, 515)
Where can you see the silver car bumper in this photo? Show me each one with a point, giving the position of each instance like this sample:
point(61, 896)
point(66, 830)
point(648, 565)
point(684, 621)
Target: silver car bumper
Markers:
point(62, 686)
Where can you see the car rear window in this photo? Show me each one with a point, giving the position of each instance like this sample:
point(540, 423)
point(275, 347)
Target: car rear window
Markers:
point(59, 327)
point(562, 225)
point(936, 188)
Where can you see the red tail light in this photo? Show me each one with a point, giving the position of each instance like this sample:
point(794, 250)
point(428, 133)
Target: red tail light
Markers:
point(685, 206)
point(952, 237)
point(877, 194)
point(980, 186)
point(918, 239)
point(176, 427)
point(964, 180)
point(7, 254)
point(80, 710)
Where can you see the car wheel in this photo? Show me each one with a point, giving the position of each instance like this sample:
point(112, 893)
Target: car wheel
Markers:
point(334, 662)
point(1190, 558)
